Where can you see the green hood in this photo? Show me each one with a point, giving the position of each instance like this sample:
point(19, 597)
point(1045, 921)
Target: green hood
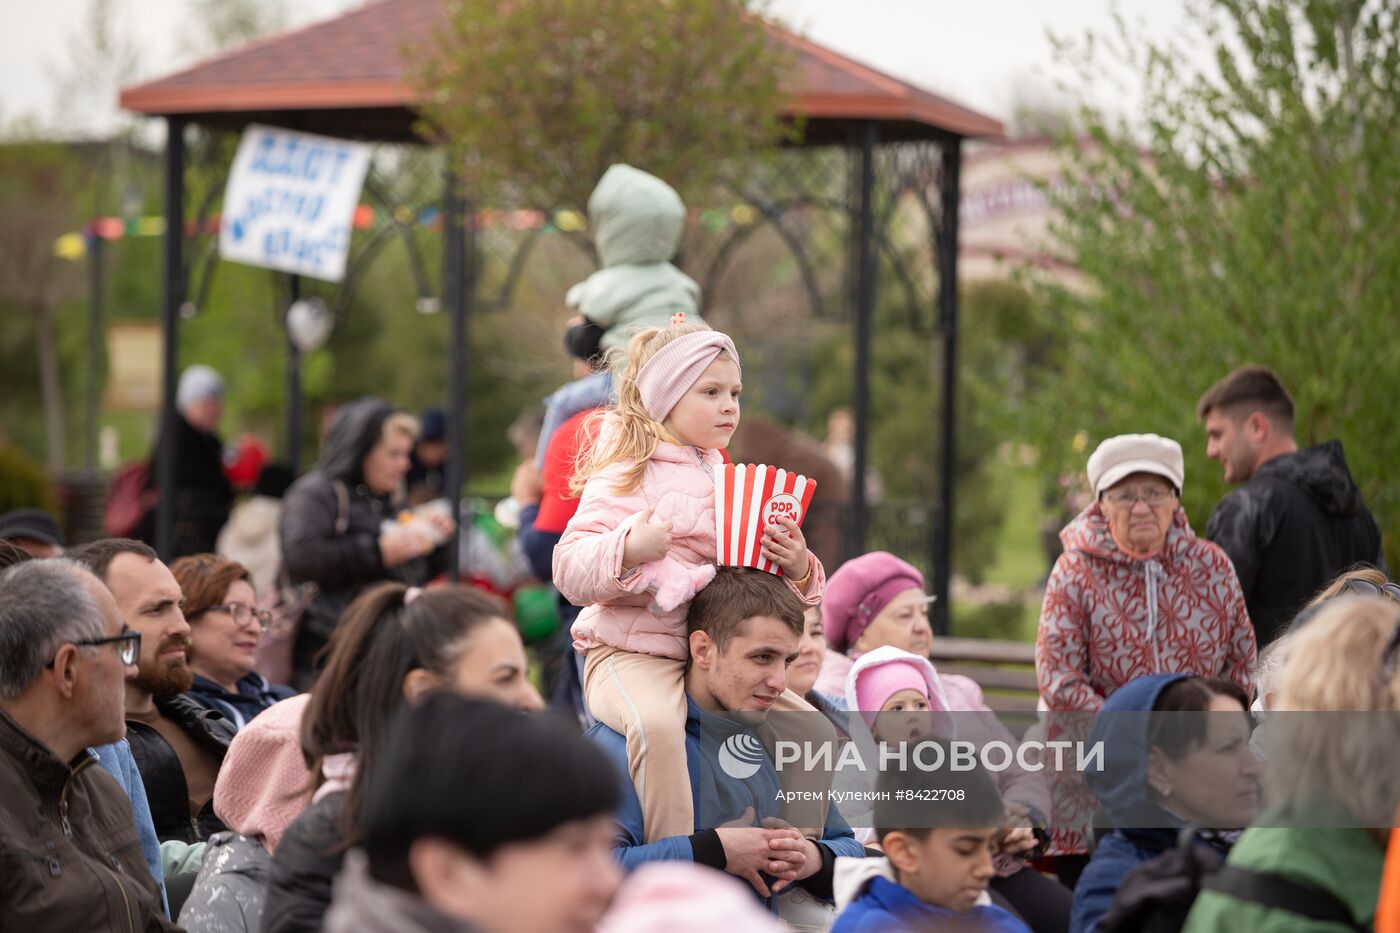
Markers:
point(635, 217)
point(637, 221)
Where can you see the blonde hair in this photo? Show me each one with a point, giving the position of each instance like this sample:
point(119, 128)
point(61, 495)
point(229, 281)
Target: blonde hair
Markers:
point(1360, 572)
point(1333, 665)
point(400, 422)
point(1268, 665)
point(627, 433)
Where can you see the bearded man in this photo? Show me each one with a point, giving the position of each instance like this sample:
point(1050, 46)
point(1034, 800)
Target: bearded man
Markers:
point(178, 745)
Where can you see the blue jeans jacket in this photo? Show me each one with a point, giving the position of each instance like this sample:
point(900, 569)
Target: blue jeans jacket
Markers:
point(116, 760)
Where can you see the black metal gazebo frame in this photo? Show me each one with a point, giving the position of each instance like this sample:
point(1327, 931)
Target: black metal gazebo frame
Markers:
point(862, 128)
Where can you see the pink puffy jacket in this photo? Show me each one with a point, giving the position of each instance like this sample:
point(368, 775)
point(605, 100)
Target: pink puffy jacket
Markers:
point(588, 558)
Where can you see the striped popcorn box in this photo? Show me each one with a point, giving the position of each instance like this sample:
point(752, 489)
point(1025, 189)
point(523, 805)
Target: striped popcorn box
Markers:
point(748, 498)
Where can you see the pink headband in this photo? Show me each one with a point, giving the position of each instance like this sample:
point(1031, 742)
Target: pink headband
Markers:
point(675, 368)
point(877, 685)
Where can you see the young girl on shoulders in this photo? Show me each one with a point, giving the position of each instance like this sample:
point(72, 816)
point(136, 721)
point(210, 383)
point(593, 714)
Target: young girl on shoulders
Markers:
point(643, 543)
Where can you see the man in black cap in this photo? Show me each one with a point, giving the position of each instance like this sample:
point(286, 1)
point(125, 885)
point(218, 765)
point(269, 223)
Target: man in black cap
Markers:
point(32, 530)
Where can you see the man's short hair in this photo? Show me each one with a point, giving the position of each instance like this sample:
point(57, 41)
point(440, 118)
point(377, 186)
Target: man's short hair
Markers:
point(1250, 388)
point(736, 595)
point(528, 775)
point(11, 554)
point(98, 555)
point(43, 603)
point(945, 798)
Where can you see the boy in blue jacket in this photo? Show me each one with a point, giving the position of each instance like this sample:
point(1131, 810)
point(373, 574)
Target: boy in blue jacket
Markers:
point(939, 830)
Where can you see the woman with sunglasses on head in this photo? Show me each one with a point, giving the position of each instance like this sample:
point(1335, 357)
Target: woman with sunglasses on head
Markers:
point(1332, 784)
point(226, 627)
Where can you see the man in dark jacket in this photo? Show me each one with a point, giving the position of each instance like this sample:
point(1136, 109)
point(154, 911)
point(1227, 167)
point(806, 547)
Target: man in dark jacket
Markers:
point(178, 745)
point(338, 528)
point(203, 495)
point(1297, 520)
point(69, 849)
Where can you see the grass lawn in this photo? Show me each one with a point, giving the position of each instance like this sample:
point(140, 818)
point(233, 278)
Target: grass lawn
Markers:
point(1020, 562)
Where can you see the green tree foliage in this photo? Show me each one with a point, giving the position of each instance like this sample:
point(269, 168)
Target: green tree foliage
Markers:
point(38, 187)
point(23, 483)
point(537, 98)
point(1246, 214)
point(1004, 348)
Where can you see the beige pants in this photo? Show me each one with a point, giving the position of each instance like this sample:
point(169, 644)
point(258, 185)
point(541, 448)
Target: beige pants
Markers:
point(642, 696)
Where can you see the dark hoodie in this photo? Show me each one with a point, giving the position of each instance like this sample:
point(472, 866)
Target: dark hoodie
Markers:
point(1121, 787)
point(203, 495)
point(330, 529)
point(1290, 530)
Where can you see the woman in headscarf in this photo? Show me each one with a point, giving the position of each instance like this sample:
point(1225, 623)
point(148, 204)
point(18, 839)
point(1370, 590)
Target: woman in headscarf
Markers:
point(338, 529)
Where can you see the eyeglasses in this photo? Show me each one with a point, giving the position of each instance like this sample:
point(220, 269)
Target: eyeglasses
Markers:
point(1358, 587)
point(1130, 499)
point(242, 612)
point(128, 646)
point(1391, 656)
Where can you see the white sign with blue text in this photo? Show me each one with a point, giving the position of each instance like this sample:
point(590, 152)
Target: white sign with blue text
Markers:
point(290, 201)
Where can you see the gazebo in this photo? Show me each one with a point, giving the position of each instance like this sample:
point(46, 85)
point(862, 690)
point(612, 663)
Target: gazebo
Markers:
point(346, 77)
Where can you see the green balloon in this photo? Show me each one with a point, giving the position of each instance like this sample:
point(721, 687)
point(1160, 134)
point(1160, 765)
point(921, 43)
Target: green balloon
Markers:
point(536, 612)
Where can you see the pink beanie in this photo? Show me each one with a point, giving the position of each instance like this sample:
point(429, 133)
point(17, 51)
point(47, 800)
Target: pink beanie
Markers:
point(666, 377)
point(264, 783)
point(880, 674)
point(859, 590)
point(876, 685)
point(682, 897)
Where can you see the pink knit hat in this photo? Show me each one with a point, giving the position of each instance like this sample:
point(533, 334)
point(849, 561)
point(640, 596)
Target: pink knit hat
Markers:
point(682, 897)
point(264, 783)
point(668, 375)
point(874, 690)
point(859, 590)
point(880, 674)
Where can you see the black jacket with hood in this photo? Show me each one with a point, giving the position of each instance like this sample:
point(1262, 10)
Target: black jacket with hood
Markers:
point(330, 529)
point(1290, 530)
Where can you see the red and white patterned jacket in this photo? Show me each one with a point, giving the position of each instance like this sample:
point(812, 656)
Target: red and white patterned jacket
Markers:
point(1109, 617)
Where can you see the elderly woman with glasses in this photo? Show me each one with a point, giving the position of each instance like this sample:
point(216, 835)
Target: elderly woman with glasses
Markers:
point(226, 627)
point(1136, 592)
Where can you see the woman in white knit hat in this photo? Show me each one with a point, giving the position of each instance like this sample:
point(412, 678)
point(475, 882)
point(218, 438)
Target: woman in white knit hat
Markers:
point(1135, 592)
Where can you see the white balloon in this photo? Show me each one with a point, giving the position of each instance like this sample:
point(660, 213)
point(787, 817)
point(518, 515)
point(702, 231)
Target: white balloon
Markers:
point(309, 324)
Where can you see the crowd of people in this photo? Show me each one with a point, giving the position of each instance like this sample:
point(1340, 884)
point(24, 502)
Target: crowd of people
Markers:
point(296, 723)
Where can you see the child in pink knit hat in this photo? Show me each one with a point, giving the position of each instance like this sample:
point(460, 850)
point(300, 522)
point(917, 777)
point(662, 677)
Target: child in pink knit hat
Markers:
point(895, 692)
point(263, 786)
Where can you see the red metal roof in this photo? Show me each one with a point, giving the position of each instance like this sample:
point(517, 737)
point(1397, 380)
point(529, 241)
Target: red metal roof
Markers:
point(347, 74)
